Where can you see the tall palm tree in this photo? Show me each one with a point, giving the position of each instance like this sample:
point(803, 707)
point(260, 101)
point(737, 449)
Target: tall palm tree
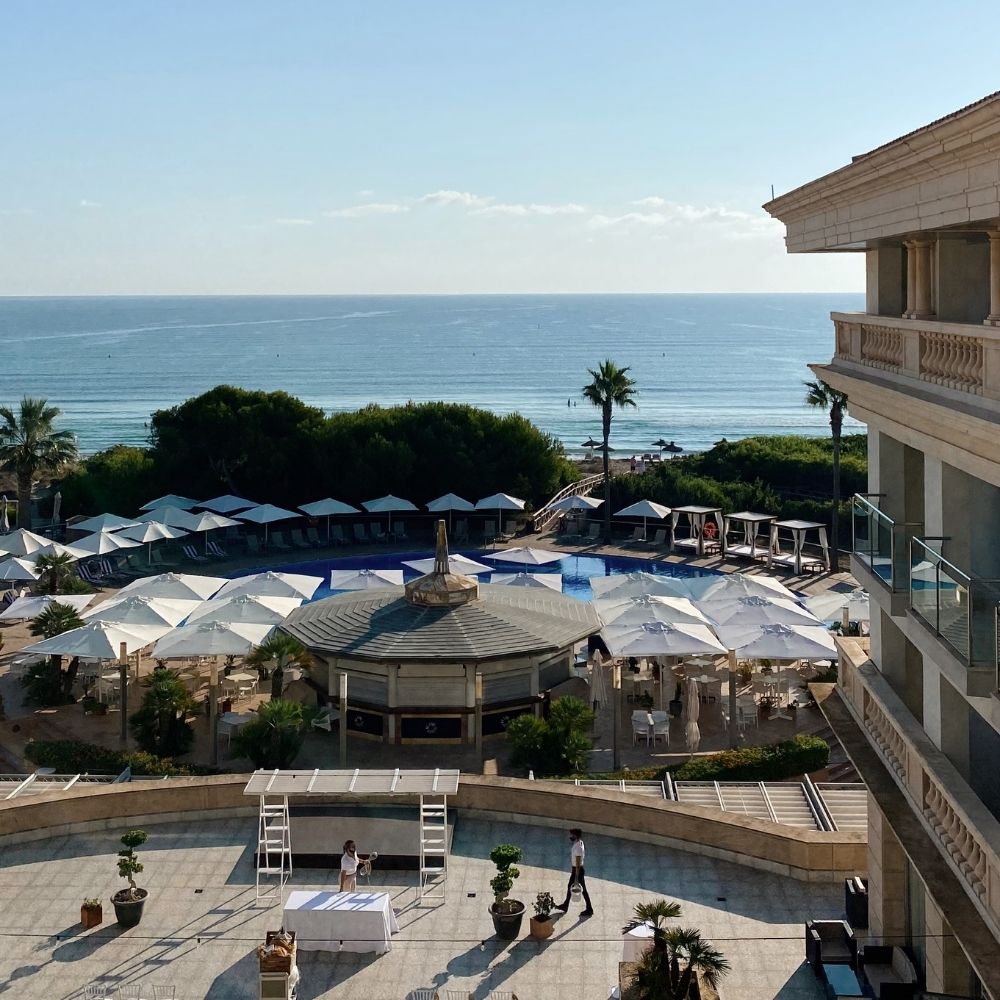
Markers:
point(284, 651)
point(830, 400)
point(610, 386)
point(30, 445)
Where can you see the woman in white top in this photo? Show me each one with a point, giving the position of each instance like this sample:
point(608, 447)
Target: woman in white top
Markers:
point(577, 875)
point(349, 862)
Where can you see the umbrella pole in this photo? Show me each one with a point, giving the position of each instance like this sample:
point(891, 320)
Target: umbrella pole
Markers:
point(733, 705)
point(327, 529)
point(123, 691)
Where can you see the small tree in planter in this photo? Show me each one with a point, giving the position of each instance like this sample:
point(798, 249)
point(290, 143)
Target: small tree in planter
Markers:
point(541, 922)
point(129, 902)
point(506, 913)
point(91, 913)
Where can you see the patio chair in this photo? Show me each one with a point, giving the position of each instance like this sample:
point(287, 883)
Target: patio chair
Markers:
point(190, 552)
point(277, 541)
point(462, 531)
point(640, 728)
point(422, 995)
point(214, 549)
point(253, 545)
point(130, 991)
point(298, 539)
point(360, 535)
point(661, 727)
point(109, 571)
point(830, 942)
point(312, 536)
point(660, 538)
point(489, 531)
point(399, 532)
point(98, 991)
point(164, 993)
point(636, 538)
point(376, 532)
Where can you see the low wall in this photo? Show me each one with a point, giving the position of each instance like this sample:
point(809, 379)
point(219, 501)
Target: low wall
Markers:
point(804, 854)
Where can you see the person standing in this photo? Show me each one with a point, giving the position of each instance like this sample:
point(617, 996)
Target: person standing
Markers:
point(349, 867)
point(577, 874)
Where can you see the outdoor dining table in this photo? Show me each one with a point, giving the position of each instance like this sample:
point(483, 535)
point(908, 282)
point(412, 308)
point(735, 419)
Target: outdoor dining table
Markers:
point(233, 721)
point(341, 921)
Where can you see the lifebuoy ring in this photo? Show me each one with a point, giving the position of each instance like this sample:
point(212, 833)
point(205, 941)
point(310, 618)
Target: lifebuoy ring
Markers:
point(710, 530)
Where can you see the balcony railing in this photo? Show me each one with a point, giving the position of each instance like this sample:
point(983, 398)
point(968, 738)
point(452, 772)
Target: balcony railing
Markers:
point(960, 608)
point(882, 544)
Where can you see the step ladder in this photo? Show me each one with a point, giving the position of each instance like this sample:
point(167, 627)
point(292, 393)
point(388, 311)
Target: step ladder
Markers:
point(433, 846)
point(274, 847)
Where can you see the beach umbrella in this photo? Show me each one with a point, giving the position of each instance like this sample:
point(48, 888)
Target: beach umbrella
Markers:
point(457, 563)
point(100, 543)
point(388, 505)
point(32, 605)
point(757, 611)
point(176, 517)
point(847, 606)
point(450, 502)
point(99, 640)
point(135, 610)
point(527, 556)
point(692, 734)
point(103, 522)
point(644, 509)
point(598, 682)
point(22, 542)
point(57, 549)
point(500, 502)
point(366, 579)
point(271, 584)
point(719, 587)
point(576, 503)
point(149, 532)
point(207, 521)
point(539, 581)
point(16, 569)
point(674, 449)
point(175, 586)
point(211, 639)
point(638, 584)
point(226, 504)
point(170, 500)
point(623, 611)
point(662, 443)
point(328, 508)
point(249, 609)
point(266, 514)
point(661, 639)
point(4, 521)
point(778, 642)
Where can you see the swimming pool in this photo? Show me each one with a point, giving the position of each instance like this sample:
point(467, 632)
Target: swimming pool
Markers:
point(576, 570)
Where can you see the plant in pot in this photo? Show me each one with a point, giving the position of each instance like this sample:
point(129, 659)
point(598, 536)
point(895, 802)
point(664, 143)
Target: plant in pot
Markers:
point(676, 706)
point(541, 923)
point(130, 901)
point(91, 913)
point(506, 913)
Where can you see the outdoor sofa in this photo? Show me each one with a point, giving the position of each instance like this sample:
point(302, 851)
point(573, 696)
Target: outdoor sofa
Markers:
point(889, 972)
point(831, 942)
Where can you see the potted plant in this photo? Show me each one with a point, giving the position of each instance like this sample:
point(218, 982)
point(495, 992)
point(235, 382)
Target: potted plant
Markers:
point(506, 913)
point(129, 902)
point(676, 706)
point(91, 913)
point(541, 923)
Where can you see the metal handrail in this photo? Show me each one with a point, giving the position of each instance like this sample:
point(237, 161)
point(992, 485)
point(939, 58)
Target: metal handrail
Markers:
point(545, 515)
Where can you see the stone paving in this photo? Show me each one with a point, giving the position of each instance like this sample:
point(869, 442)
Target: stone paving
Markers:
point(201, 923)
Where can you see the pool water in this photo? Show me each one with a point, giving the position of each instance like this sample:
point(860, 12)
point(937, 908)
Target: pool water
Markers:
point(576, 570)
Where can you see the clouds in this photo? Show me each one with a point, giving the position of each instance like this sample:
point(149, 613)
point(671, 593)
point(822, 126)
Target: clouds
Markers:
point(368, 208)
point(87, 203)
point(722, 221)
point(463, 198)
point(284, 221)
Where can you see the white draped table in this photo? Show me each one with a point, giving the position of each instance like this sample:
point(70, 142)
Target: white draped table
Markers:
point(341, 921)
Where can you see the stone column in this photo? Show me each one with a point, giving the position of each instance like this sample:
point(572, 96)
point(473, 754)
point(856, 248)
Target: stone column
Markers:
point(911, 279)
point(924, 303)
point(994, 317)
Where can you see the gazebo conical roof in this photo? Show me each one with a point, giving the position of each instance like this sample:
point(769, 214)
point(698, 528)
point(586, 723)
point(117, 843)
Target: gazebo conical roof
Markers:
point(441, 588)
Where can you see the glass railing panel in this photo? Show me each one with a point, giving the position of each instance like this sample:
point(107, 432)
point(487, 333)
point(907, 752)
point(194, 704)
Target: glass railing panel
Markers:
point(882, 544)
point(985, 598)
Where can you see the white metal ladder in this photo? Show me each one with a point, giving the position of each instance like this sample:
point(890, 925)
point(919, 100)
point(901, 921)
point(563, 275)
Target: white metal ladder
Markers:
point(433, 846)
point(274, 847)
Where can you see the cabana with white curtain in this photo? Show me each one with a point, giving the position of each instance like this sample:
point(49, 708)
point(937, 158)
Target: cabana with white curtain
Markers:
point(695, 529)
point(747, 535)
point(791, 539)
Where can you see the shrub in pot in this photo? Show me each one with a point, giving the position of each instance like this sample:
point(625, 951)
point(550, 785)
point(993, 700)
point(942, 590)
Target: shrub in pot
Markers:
point(129, 902)
point(91, 913)
point(541, 923)
point(506, 913)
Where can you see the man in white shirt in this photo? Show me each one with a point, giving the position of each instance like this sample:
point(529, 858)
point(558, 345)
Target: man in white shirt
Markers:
point(349, 867)
point(577, 875)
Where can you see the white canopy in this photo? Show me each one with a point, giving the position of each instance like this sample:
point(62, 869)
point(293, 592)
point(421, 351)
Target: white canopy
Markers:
point(388, 505)
point(56, 549)
point(327, 508)
point(500, 501)
point(661, 639)
point(450, 502)
point(22, 542)
point(177, 586)
point(102, 542)
point(624, 611)
point(152, 531)
point(207, 521)
point(366, 579)
point(133, 609)
point(266, 513)
point(249, 609)
point(830, 606)
point(211, 639)
point(32, 605)
point(729, 585)
point(226, 504)
point(170, 500)
point(457, 563)
point(270, 584)
point(103, 522)
point(176, 517)
point(778, 642)
point(15, 569)
point(757, 611)
point(644, 509)
point(527, 556)
point(99, 640)
point(550, 581)
point(638, 584)
point(576, 502)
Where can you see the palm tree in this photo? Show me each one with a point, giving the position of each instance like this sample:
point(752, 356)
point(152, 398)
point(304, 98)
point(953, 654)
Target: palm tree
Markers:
point(274, 736)
point(284, 651)
point(825, 398)
point(55, 620)
point(54, 571)
point(30, 445)
point(159, 725)
point(610, 387)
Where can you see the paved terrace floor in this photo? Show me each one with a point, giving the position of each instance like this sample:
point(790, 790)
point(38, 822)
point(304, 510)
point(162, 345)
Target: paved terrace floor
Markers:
point(201, 923)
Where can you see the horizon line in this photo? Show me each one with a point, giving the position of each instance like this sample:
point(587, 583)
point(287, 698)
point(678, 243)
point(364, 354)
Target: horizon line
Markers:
point(387, 295)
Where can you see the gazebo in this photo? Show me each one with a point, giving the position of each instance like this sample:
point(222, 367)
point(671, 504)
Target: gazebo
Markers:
point(751, 534)
point(802, 534)
point(693, 529)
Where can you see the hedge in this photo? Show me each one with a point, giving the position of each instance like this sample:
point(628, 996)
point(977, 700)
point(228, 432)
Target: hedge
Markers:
point(76, 757)
point(775, 762)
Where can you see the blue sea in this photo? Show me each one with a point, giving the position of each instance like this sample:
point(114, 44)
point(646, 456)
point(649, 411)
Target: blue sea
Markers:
point(707, 366)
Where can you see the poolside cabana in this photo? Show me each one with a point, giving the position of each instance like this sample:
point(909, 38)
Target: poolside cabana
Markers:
point(747, 534)
point(789, 541)
point(694, 529)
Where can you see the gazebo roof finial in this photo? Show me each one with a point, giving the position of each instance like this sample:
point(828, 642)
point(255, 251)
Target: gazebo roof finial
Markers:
point(441, 588)
point(441, 550)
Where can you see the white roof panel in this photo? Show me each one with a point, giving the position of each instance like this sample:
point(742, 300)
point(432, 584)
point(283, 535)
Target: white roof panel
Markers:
point(438, 781)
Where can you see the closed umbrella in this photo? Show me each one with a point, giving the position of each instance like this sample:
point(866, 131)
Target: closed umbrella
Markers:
point(149, 532)
point(757, 611)
point(500, 502)
point(226, 504)
point(692, 734)
point(99, 640)
point(365, 579)
point(729, 585)
point(661, 639)
point(170, 500)
point(266, 514)
point(270, 584)
point(249, 609)
point(644, 509)
point(56, 506)
point(539, 581)
point(22, 542)
point(32, 605)
point(207, 521)
point(527, 556)
point(598, 682)
point(4, 520)
point(450, 503)
point(103, 522)
point(136, 610)
point(388, 505)
point(14, 570)
point(176, 517)
point(102, 542)
point(638, 584)
point(328, 508)
point(178, 586)
point(458, 564)
point(211, 639)
point(620, 612)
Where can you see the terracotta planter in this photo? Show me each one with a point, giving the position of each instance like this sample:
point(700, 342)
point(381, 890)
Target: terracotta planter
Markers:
point(91, 916)
point(541, 929)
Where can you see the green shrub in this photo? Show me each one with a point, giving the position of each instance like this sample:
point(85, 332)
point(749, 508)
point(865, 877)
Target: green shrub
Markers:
point(554, 747)
point(77, 757)
point(774, 762)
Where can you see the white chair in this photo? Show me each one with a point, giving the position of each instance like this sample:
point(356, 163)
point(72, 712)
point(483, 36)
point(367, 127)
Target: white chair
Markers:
point(131, 991)
point(661, 728)
point(98, 991)
point(422, 995)
point(640, 730)
point(245, 689)
point(164, 993)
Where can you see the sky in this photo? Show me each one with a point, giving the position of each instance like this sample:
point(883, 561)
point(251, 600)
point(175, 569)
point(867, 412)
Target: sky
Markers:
point(393, 147)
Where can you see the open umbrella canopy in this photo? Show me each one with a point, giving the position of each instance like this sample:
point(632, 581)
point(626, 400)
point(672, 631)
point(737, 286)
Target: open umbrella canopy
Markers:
point(57, 549)
point(577, 502)
point(103, 522)
point(151, 531)
point(176, 586)
point(661, 639)
point(32, 605)
point(102, 542)
point(757, 611)
point(638, 584)
point(662, 443)
point(450, 501)
point(22, 542)
point(730, 585)
point(328, 507)
point(15, 569)
point(266, 513)
point(500, 501)
point(591, 443)
point(620, 612)
point(211, 639)
point(99, 640)
point(170, 500)
point(135, 610)
point(366, 579)
point(457, 563)
point(778, 642)
point(248, 609)
point(207, 521)
point(546, 581)
point(388, 505)
point(644, 509)
point(270, 584)
point(527, 556)
point(830, 607)
point(176, 517)
point(674, 449)
point(226, 504)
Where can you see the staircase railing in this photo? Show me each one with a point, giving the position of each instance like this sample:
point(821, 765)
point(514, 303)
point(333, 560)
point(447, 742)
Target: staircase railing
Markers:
point(545, 515)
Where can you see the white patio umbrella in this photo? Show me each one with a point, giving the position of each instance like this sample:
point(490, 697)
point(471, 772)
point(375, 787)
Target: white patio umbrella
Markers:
point(57, 549)
point(852, 606)
point(22, 542)
point(692, 734)
point(388, 505)
point(757, 611)
point(176, 517)
point(99, 640)
point(15, 569)
point(638, 584)
point(546, 581)
point(248, 609)
point(500, 502)
point(211, 639)
point(328, 508)
point(149, 532)
point(206, 521)
point(450, 502)
point(32, 605)
point(365, 579)
point(266, 514)
point(170, 500)
point(457, 563)
point(103, 522)
point(100, 543)
point(226, 504)
point(644, 509)
point(577, 503)
point(135, 610)
point(176, 586)
point(598, 682)
point(4, 521)
point(270, 584)
point(621, 612)
point(527, 556)
point(778, 642)
point(661, 639)
point(721, 586)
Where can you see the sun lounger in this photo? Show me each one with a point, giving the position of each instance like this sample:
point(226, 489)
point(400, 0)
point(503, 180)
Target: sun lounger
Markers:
point(158, 560)
point(399, 532)
point(190, 552)
point(490, 531)
point(636, 538)
point(360, 535)
point(312, 536)
point(462, 531)
point(376, 532)
point(277, 541)
point(298, 539)
point(253, 545)
point(337, 535)
point(660, 538)
point(214, 549)
point(509, 529)
point(594, 532)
